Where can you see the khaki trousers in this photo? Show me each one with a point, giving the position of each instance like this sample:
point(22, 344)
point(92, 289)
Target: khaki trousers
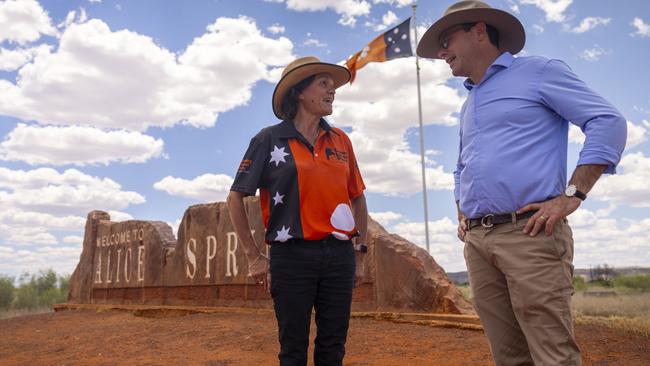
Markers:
point(521, 287)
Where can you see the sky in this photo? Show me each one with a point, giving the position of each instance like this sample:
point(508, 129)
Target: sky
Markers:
point(143, 108)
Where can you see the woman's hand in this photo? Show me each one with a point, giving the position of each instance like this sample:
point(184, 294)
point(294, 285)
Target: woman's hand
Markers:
point(360, 270)
point(259, 270)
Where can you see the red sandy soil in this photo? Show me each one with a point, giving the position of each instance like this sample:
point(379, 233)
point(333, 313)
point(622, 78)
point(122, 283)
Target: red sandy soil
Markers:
point(89, 337)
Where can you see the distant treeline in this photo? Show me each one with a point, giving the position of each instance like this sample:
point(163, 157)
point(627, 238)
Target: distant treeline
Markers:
point(33, 291)
point(632, 278)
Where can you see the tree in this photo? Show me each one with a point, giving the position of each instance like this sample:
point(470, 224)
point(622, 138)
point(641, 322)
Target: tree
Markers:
point(6, 291)
point(45, 282)
point(603, 273)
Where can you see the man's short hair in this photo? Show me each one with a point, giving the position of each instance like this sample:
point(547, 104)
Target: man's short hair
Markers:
point(493, 33)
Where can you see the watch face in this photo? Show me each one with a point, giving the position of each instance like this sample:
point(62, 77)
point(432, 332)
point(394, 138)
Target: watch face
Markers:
point(570, 190)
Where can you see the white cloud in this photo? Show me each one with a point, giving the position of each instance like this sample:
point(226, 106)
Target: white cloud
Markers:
point(80, 17)
point(398, 3)
point(538, 29)
point(385, 218)
point(37, 203)
point(444, 245)
point(95, 1)
point(598, 239)
point(589, 23)
point(642, 29)
point(380, 120)
point(314, 43)
point(206, 188)
point(23, 21)
point(594, 54)
point(628, 187)
point(276, 28)
point(13, 59)
point(554, 9)
point(387, 20)
point(515, 8)
point(62, 259)
point(348, 9)
point(29, 236)
point(606, 240)
point(119, 216)
point(46, 190)
point(73, 239)
point(636, 134)
point(122, 79)
point(16, 218)
point(77, 145)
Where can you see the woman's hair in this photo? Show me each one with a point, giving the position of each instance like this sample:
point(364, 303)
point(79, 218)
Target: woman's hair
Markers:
point(289, 106)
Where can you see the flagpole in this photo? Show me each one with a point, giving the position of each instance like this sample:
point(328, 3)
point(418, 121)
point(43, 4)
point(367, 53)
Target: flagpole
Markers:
point(424, 179)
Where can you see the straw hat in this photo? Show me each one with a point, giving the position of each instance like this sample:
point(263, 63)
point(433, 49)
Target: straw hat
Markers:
point(301, 69)
point(511, 33)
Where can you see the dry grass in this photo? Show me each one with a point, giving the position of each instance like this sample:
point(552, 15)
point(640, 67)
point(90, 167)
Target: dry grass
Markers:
point(21, 312)
point(629, 312)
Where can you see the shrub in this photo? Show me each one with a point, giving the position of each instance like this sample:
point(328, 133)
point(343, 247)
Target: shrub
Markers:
point(26, 297)
point(636, 282)
point(6, 291)
point(579, 283)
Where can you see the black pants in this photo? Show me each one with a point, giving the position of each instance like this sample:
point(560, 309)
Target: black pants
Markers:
point(306, 275)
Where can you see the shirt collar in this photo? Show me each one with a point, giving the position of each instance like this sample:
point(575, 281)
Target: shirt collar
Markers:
point(288, 130)
point(501, 63)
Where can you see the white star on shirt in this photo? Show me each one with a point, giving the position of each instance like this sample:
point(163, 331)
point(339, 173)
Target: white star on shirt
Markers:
point(277, 155)
point(283, 235)
point(277, 198)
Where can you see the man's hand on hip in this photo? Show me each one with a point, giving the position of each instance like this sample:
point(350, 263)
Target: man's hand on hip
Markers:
point(462, 227)
point(549, 213)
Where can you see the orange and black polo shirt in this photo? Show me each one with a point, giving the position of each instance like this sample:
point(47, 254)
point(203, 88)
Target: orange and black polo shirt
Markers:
point(305, 191)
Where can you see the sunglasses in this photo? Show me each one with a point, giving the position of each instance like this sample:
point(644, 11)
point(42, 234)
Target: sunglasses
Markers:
point(448, 34)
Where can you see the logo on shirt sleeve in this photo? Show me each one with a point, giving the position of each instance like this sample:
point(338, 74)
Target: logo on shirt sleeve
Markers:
point(244, 165)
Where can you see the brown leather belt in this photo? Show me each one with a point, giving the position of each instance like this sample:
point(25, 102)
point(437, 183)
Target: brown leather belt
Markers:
point(490, 220)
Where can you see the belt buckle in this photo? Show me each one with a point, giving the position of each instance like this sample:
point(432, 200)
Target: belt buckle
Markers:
point(486, 221)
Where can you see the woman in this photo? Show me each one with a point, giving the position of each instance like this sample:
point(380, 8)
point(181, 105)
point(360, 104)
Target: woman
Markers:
point(313, 206)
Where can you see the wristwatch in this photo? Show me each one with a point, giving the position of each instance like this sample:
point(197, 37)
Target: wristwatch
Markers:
point(572, 191)
point(361, 248)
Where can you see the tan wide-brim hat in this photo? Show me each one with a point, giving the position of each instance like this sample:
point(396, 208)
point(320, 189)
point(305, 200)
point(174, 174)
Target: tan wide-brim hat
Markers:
point(512, 36)
point(301, 69)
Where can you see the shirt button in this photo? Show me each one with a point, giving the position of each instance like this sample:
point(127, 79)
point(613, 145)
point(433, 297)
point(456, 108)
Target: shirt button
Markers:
point(316, 154)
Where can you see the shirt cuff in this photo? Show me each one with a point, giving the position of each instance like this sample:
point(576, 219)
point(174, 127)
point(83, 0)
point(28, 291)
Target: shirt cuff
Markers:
point(605, 156)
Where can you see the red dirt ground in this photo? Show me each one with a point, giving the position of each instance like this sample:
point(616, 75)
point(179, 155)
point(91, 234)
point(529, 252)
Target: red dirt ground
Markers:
point(89, 337)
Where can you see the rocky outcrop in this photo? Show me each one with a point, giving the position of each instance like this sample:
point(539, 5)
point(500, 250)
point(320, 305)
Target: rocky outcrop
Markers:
point(141, 262)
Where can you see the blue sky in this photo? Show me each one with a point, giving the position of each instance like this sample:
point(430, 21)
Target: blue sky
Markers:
point(142, 108)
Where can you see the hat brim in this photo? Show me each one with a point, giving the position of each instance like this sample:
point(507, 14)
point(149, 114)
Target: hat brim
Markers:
point(512, 36)
point(340, 74)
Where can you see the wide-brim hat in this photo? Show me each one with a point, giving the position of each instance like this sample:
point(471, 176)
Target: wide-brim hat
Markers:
point(301, 69)
point(512, 36)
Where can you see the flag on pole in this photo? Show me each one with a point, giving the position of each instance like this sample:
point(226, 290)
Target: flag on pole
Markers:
point(394, 43)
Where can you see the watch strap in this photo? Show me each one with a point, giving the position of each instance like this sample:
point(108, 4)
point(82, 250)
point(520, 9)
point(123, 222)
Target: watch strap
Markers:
point(361, 248)
point(580, 195)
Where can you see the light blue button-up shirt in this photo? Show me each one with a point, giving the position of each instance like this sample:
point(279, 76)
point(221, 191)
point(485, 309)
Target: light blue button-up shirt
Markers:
point(514, 131)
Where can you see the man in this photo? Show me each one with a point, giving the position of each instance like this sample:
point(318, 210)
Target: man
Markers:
point(511, 179)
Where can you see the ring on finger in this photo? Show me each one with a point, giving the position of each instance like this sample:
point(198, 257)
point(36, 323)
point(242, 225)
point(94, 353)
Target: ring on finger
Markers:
point(542, 218)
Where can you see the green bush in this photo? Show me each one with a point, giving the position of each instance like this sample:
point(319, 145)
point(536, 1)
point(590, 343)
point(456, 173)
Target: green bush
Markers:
point(26, 297)
point(579, 283)
point(34, 291)
point(635, 282)
point(6, 292)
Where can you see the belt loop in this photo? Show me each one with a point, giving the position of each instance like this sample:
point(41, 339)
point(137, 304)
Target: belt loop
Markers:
point(468, 224)
point(514, 218)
